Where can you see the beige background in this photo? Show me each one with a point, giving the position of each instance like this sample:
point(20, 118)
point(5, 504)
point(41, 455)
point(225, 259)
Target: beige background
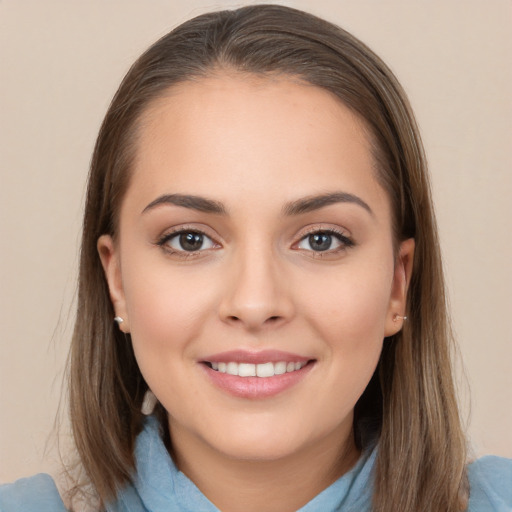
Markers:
point(60, 62)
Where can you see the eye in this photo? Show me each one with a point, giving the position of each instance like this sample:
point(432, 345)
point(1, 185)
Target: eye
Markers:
point(187, 241)
point(325, 240)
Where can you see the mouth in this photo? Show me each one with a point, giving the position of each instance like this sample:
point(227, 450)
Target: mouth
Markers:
point(262, 370)
point(256, 375)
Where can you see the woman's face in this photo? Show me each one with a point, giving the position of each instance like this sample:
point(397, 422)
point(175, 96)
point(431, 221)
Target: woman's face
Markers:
point(254, 266)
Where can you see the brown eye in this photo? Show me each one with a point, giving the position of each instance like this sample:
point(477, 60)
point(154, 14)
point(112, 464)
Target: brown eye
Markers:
point(188, 241)
point(191, 241)
point(321, 241)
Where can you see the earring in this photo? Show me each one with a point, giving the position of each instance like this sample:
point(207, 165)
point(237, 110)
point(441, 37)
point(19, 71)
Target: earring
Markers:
point(148, 403)
point(397, 317)
point(118, 319)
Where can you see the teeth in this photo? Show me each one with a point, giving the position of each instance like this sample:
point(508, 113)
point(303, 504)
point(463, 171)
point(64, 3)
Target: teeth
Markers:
point(246, 370)
point(257, 370)
point(232, 368)
point(265, 370)
point(280, 368)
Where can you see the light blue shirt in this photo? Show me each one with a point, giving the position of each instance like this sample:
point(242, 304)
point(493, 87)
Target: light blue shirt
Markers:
point(160, 487)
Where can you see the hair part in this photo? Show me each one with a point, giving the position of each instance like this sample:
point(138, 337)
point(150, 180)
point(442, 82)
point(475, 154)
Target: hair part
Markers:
point(410, 405)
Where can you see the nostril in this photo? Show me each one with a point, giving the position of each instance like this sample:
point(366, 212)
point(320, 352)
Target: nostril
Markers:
point(269, 320)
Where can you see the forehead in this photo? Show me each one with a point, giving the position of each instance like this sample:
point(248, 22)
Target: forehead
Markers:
point(274, 136)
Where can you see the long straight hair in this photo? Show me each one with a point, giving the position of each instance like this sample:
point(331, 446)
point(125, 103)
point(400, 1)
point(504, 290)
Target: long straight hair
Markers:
point(409, 408)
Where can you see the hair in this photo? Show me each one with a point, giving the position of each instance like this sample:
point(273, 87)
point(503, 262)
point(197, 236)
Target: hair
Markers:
point(409, 407)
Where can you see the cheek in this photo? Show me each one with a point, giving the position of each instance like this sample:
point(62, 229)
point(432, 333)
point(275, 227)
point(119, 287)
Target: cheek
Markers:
point(167, 310)
point(350, 305)
point(348, 312)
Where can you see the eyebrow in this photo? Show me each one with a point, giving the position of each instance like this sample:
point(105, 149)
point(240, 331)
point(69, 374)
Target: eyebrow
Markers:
point(298, 207)
point(200, 204)
point(312, 203)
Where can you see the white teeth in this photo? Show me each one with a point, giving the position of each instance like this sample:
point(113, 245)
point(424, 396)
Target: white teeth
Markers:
point(232, 368)
point(257, 370)
point(265, 370)
point(247, 370)
point(280, 368)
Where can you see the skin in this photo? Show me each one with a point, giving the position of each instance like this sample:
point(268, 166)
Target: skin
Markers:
point(256, 145)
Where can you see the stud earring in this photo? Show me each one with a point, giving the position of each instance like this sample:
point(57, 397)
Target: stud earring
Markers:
point(119, 320)
point(397, 317)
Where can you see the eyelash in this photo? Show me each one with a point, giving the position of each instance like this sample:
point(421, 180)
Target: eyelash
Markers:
point(345, 242)
point(165, 239)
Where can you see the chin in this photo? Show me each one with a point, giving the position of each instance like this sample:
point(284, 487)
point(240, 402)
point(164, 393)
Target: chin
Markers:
point(264, 441)
point(267, 450)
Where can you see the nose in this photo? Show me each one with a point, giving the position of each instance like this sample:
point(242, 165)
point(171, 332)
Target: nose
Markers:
point(257, 294)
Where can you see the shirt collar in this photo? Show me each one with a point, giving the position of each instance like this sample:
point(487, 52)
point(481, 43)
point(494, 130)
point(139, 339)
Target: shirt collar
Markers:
point(161, 486)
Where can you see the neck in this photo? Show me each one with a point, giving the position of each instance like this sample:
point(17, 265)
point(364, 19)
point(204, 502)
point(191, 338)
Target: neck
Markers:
point(281, 485)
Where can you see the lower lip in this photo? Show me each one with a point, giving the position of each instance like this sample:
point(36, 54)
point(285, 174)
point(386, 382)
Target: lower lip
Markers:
point(256, 387)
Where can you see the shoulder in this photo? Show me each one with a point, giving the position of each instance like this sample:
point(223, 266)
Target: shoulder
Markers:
point(34, 494)
point(490, 480)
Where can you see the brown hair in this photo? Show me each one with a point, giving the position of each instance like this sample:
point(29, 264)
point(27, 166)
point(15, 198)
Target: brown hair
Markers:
point(410, 405)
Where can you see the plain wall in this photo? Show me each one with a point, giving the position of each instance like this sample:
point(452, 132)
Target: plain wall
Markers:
point(60, 63)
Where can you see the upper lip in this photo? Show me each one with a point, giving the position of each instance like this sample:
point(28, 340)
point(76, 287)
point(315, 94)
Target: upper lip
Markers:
point(263, 356)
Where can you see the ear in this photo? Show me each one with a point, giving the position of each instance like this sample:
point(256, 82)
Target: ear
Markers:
point(109, 256)
point(401, 279)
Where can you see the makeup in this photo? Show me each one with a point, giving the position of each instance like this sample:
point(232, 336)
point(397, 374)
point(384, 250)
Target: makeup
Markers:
point(256, 375)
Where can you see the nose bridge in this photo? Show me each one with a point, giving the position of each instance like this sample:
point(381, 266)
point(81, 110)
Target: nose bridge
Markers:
point(256, 295)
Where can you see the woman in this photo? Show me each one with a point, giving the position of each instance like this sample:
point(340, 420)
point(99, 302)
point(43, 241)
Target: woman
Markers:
point(259, 250)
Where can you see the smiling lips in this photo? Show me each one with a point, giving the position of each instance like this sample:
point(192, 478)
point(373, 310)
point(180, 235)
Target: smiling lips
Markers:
point(257, 370)
point(256, 375)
